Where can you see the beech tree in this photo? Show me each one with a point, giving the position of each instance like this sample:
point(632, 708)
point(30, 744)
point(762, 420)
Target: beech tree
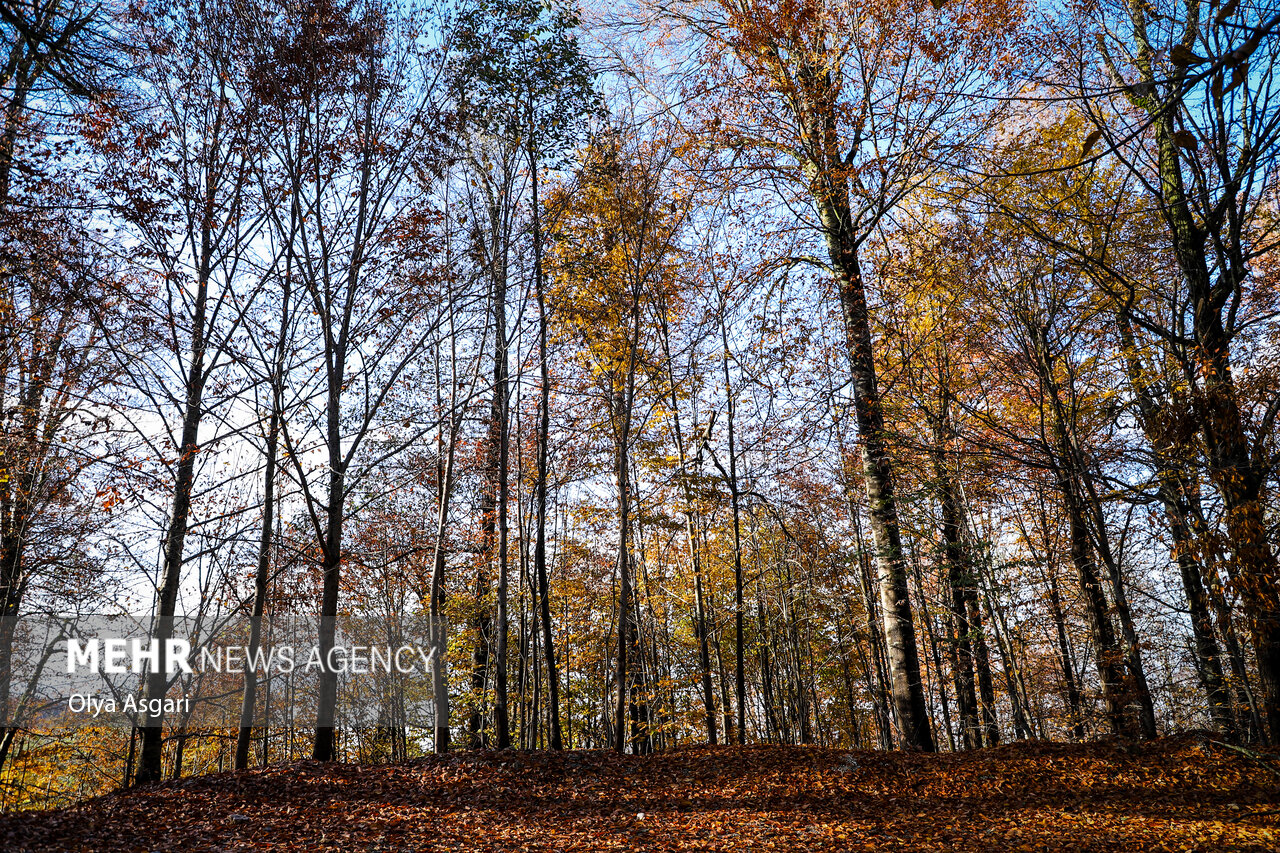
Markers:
point(353, 111)
point(848, 106)
point(523, 81)
point(178, 172)
point(619, 206)
point(57, 294)
point(1190, 109)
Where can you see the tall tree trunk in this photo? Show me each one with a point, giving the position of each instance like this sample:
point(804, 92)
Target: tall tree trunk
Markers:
point(261, 577)
point(1076, 469)
point(1250, 720)
point(932, 639)
point(700, 626)
point(726, 703)
point(982, 665)
point(1109, 657)
point(880, 692)
point(501, 721)
point(540, 547)
point(491, 498)
point(624, 592)
point(540, 486)
point(766, 674)
point(877, 469)
point(960, 577)
point(249, 699)
point(336, 348)
point(1241, 486)
point(325, 745)
point(483, 627)
point(638, 706)
point(1097, 612)
point(156, 684)
point(1208, 655)
point(739, 611)
point(1238, 474)
point(622, 403)
point(702, 630)
point(438, 623)
point(1141, 693)
point(1174, 489)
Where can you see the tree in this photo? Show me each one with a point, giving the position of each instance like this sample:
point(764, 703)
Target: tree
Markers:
point(1095, 222)
point(615, 238)
point(354, 114)
point(832, 100)
point(179, 173)
point(525, 81)
point(274, 362)
point(1199, 134)
point(56, 297)
point(59, 299)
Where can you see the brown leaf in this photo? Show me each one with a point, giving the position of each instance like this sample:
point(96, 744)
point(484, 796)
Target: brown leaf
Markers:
point(1238, 75)
point(1185, 139)
point(1027, 796)
point(1090, 141)
point(1182, 56)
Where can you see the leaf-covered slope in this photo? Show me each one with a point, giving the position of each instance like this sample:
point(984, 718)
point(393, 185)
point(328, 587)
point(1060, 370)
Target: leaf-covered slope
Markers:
point(1176, 794)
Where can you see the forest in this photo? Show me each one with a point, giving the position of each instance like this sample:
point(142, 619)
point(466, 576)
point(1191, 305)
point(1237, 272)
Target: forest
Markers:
point(639, 377)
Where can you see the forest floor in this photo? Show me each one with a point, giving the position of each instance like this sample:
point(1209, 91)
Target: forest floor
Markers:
point(1184, 793)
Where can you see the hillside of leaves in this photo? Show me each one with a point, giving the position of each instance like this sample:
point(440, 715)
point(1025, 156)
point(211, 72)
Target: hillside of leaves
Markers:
point(1183, 793)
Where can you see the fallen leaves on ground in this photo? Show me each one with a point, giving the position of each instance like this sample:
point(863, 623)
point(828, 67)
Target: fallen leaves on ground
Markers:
point(1173, 794)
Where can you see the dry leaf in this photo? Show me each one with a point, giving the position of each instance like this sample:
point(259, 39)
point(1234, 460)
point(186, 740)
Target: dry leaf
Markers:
point(1185, 139)
point(1090, 141)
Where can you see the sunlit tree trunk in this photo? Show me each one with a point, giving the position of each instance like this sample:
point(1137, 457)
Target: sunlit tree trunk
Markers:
point(907, 689)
